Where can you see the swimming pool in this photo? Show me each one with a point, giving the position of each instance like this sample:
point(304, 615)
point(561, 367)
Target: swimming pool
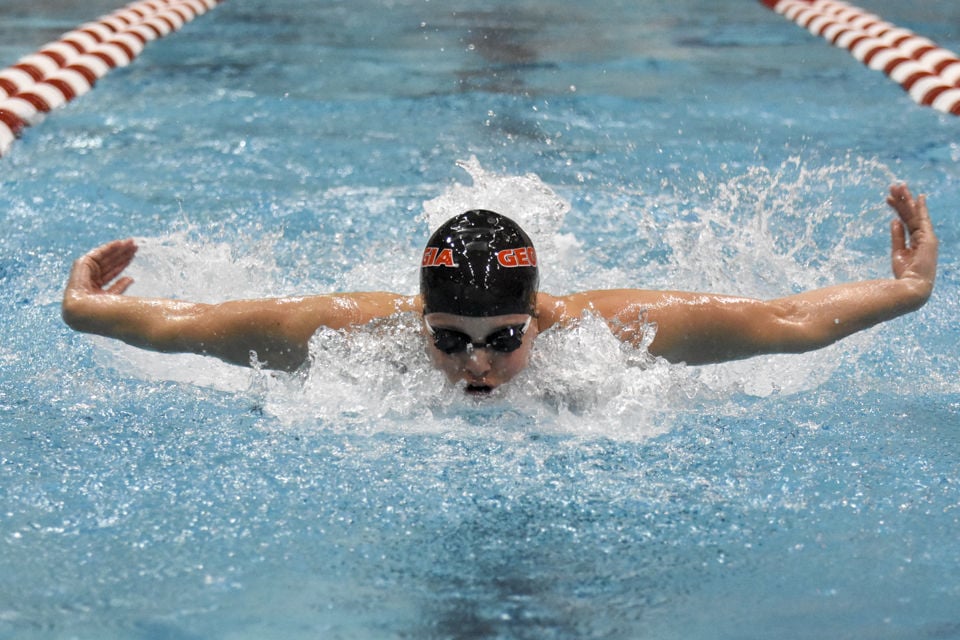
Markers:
point(283, 147)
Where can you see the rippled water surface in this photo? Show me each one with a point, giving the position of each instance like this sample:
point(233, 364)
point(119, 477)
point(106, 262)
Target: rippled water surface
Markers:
point(274, 148)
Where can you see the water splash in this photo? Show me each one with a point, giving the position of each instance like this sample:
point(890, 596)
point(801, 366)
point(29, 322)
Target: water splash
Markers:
point(763, 232)
point(525, 199)
point(770, 232)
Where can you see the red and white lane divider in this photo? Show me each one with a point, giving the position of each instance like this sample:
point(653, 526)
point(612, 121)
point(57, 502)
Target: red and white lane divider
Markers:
point(930, 74)
point(62, 70)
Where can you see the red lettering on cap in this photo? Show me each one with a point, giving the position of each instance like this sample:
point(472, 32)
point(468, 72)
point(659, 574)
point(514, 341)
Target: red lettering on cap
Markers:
point(520, 257)
point(445, 259)
point(507, 258)
point(434, 258)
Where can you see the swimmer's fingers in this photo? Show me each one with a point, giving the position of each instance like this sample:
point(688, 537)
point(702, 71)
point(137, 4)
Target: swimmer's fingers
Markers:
point(913, 211)
point(898, 237)
point(93, 271)
point(914, 244)
point(120, 285)
point(113, 257)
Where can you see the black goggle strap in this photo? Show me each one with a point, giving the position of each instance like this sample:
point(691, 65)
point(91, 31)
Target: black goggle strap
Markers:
point(503, 340)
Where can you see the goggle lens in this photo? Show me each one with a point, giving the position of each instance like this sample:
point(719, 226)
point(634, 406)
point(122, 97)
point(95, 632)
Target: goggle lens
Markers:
point(505, 340)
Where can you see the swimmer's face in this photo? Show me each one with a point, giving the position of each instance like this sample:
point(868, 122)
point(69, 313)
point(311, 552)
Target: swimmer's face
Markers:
point(451, 341)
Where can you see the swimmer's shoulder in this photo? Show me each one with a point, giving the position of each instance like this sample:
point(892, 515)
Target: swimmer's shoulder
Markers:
point(381, 304)
point(557, 310)
point(341, 310)
point(606, 303)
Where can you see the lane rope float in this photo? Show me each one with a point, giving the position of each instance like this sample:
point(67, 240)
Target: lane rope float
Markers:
point(69, 67)
point(928, 73)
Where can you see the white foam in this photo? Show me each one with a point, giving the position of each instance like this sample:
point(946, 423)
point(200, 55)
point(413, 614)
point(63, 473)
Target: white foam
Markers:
point(762, 233)
point(525, 199)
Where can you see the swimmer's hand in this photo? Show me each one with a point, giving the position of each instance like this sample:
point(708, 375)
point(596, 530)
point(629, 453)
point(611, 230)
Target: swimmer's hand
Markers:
point(94, 271)
point(94, 281)
point(914, 243)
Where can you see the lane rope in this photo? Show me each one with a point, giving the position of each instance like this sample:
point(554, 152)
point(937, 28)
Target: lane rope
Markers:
point(69, 67)
point(928, 73)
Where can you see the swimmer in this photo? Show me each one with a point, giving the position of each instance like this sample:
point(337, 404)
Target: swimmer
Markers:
point(482, 310)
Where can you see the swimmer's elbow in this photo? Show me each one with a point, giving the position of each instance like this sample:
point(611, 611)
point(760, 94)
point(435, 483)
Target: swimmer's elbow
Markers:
point(761, 328)
point(743, 329)
point(796, 327)
point(266, 340)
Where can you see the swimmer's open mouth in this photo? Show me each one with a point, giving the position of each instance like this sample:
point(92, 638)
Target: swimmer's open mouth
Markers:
point(478, 389)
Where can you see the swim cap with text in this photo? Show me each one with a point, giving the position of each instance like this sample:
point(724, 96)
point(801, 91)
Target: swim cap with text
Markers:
point(479, 263)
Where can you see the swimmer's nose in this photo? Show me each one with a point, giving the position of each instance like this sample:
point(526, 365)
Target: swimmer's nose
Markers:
point(478, 362)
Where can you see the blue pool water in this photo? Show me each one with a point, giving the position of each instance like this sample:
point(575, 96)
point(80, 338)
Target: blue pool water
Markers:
point(285, 147)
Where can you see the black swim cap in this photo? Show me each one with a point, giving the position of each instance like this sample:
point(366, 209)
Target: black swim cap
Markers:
point(479, 264)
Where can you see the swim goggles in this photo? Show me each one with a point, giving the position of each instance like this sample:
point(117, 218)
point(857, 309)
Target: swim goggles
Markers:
point(505, 340)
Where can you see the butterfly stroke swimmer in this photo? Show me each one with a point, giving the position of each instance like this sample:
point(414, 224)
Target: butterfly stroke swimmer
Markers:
point(482, 309)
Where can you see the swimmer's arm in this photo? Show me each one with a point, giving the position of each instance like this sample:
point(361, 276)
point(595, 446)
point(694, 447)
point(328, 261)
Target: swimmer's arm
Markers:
point(278, 330)
point(705, 328)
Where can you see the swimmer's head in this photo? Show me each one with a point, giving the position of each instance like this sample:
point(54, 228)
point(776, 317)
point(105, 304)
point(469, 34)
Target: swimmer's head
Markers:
point(479, 264)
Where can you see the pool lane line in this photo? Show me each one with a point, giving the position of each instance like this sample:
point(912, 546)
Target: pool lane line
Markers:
point(69, 67)
point(928, 73)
